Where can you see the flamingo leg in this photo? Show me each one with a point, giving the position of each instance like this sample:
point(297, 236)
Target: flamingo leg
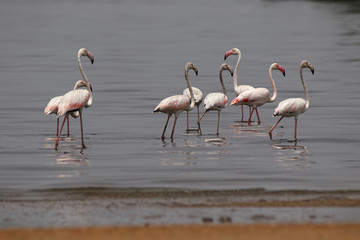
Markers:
point(173, 130)
point(251, 113)
point(187, 117)
point(217, 132)
point(257, 114)
point(81, 126)
point(68, 130)
point(273, 127)
point(167, 121)
point(57, 126)
point(198, 121)
point(242, 112)
point(58, 136)
point(295, 129)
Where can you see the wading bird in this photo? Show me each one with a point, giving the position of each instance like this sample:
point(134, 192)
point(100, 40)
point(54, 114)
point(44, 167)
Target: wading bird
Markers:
point(198, 95)
point(216, 101)
point(238, 89)
point(178, 103)
point(258, 96)
point(293, 107)
point(76, 100)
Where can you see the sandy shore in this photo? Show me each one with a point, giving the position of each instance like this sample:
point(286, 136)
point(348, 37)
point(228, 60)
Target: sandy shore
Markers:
point(197, 232)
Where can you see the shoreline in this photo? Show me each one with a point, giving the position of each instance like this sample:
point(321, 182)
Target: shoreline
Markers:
point(192, 232)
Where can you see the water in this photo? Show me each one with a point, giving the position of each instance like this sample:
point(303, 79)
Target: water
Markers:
point(140, 50)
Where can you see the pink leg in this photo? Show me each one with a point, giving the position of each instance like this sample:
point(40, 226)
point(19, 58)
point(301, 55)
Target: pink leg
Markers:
point(273, 127)
point(167, 121)
point(242, 112)
point(173, 130)
point(187, 117)
point(57, 126)
point(257, 114)
point(58, 136)
point(81, 126)
point(251, 113)
point(68, 132)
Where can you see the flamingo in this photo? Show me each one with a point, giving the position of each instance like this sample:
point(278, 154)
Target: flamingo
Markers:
point(216, 101)
point(293, 107)
point(178, 103)
point(76, 100)
point(258, 96)
point(52, 106)
point(238, 88)
point(198, 95)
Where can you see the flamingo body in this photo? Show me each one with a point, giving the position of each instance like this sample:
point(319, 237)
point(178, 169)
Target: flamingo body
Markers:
point(178, 103)
point(174, 105)
point(73, 101)
point(216, 101)
point(293, 107)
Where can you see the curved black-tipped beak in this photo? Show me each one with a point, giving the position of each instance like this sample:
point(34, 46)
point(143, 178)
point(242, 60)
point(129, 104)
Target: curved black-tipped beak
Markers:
point(312, 71)
point(91, 87)
point(225, 57)
point(232, 74)
point(92, 60)
point(196, 73)
point(284, 73)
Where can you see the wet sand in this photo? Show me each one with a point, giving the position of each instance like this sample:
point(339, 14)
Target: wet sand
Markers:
point(197, 232)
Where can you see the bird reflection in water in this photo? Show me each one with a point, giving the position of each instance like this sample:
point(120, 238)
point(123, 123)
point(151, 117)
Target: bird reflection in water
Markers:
point(292, 156)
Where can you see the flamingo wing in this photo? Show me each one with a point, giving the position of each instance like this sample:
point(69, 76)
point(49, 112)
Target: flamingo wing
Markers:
point(242, 88)
point(290, 107)
point(52, 106)
point(73, 101)
point(215, 101)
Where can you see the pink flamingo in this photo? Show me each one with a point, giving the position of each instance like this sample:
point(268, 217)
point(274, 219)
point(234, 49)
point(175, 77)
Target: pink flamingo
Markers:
point(293, 107)
point(216, 101)
point(258, 96)
point(52, 107)
point(198, 95)
point(178, 103)
point(238, 88)
point(76, 100)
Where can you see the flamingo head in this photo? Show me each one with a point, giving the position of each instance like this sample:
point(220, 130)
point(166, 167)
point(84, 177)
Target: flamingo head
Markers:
point(307, 64)
point(84, 52)
point(190, 65)
point(276, 66)
point(226, 66)
point(235, 102)
point(234, 51)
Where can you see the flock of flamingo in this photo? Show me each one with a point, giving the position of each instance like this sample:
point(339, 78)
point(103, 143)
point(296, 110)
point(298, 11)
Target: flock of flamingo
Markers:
point(73, 102)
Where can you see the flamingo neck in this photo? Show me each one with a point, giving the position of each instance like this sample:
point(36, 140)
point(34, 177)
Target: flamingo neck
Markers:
point(84, 77)
point(307, 99)
point(236, 70)
point(222, 82)
point(273, 98)
point(192, 100)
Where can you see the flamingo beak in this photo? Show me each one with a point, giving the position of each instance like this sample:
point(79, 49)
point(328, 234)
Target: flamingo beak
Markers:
point(234, 102)
point(312, 71)
point(91, 57)
point(90, 87)
point(282, 70)
point(227, 54)
point(232, 74)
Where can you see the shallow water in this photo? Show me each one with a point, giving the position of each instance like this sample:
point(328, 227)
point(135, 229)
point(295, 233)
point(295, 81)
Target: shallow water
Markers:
point(140, 50)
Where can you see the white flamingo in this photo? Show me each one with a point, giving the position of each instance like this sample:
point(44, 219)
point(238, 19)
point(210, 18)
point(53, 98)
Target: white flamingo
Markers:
point(216, 101)
point(52, 107)
point(178, 103)
point(238, 89)
point(198, 95)
point(258, 96)
point(76, 100)
point(292, 107)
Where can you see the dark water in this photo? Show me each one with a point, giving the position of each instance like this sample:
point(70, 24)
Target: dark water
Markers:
point(140, 50)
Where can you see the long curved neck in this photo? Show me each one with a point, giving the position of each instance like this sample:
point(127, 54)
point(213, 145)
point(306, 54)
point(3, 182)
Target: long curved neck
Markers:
point(84, 76)
point(192, 101)
point(236, 71)
point(307, 99)
point(273, 98)
point(222, 82)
